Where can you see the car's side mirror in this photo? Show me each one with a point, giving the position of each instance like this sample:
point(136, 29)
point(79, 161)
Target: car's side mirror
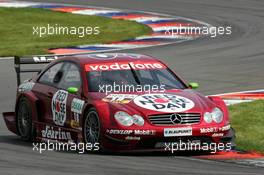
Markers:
point(72, 90)
point(58, 77)
point(193, 85)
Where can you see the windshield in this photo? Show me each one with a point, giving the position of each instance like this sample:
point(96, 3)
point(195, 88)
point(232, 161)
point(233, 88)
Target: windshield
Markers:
point(161, 78)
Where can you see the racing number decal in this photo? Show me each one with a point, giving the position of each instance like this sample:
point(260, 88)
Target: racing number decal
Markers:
point(58, 107)
point(76, 109)
point(164, 102)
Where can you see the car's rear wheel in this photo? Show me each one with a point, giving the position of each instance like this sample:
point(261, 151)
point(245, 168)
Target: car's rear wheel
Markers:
point(24, 119)
point(91, 127)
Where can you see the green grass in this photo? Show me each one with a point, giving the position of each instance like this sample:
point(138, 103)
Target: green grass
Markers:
point(16, 30)
point(248, 121)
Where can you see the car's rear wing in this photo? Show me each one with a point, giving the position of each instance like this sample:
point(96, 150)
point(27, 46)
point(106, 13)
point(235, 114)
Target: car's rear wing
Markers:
point(18, 61)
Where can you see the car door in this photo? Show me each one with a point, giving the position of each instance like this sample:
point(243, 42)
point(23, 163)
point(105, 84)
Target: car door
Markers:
point(42, 90)
point(67, 103)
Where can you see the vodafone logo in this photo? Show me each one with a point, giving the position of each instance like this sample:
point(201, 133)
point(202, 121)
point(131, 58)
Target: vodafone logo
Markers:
point(123, 66)
point(164, 102)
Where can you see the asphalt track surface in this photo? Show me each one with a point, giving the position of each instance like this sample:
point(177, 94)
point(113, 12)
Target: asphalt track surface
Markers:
point(221, 64)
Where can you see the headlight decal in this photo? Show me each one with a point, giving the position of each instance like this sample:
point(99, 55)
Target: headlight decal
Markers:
point(216, 115)
point(138, 120)
point(208, 117)
point(125, 119)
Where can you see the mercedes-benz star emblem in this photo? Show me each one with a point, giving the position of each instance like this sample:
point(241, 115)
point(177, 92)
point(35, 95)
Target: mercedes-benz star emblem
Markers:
point(175, 119)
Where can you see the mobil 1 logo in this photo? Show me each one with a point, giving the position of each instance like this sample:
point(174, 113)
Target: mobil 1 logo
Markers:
point(58, 106)
point(164, 102)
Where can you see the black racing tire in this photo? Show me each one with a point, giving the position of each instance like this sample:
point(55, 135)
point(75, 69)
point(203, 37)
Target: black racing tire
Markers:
point(91, 129)
point(24, 120)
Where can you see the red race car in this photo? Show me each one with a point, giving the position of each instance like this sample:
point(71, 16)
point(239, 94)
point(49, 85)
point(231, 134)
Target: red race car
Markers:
point(118, 101)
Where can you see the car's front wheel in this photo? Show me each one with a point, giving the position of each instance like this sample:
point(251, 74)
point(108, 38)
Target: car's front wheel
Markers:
point(91, 127)
point(24, 119)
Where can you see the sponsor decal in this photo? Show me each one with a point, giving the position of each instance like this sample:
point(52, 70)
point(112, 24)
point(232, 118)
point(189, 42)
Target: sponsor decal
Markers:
point(75, 123)
point(113, 56)
point(225, 128)
point(124, 66)
point(208, 130)
point(103, 56)
point(28, 86)
point(77, 106)
point(58, 106)
point(164, 102)
point(55, 133)
point(214, 129)
point(218, 135)
point(44, 59)
point(170, 132)
point(119, 131)
point(144, 132)
point(76, 109)
point(119, 98)
point(132, 138)
point(129, 132)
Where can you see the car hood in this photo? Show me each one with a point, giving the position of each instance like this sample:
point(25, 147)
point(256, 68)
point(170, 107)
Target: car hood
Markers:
point(170, 101)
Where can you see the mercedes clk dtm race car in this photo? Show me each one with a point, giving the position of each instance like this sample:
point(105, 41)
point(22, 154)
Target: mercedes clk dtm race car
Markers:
point(120, 101)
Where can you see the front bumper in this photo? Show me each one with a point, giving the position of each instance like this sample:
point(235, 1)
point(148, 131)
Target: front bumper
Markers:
point(156, 137)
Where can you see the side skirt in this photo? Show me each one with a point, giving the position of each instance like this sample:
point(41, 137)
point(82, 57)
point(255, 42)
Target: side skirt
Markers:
point(57, 133)
point(10, 120)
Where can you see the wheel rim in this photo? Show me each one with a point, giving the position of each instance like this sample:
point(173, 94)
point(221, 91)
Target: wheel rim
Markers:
point(23, 119)
point(92, 128)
